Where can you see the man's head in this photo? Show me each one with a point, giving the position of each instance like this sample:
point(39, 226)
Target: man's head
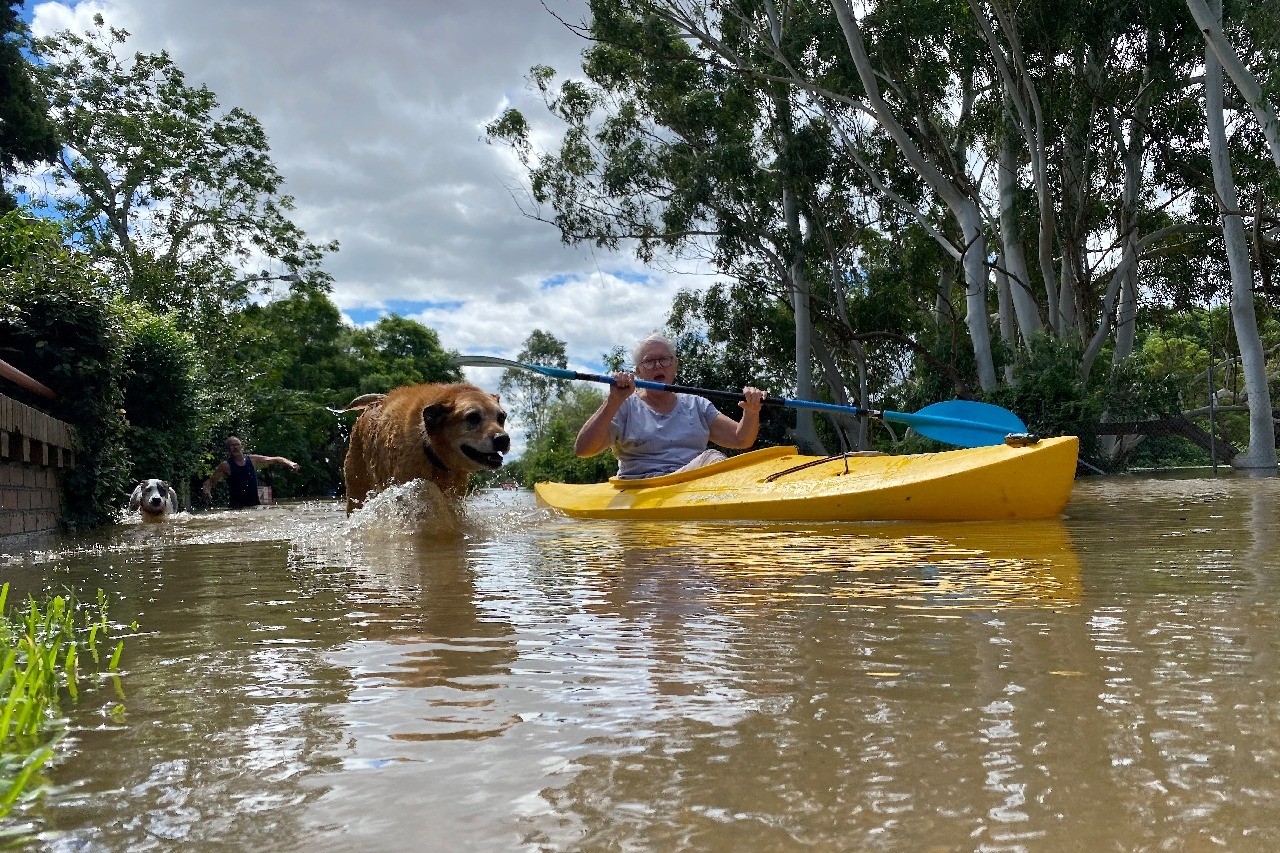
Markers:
point(235, 447)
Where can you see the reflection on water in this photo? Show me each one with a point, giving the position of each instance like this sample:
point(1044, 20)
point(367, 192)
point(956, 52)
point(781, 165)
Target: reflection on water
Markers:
point(940, 569)
point(304, 680)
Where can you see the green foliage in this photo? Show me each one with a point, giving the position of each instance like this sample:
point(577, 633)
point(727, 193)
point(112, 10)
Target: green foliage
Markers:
point(70, 338)
point(27, 136)
point(1132, 391)
point(46, 650)
point(550, 456)
point(532, 394)
point(1049, 397)
point(165, 401)
point(1051, 400)
point(1168, 353)
point(172, 192)
point(397, 351)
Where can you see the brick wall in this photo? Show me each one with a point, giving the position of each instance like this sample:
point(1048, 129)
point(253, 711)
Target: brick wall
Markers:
point(28, 499)
point(33, 449)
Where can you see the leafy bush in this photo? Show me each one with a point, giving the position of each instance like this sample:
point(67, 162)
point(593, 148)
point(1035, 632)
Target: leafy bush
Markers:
point(69, 337)
point(164, 397)
point(1049, 396)
point(550, 456)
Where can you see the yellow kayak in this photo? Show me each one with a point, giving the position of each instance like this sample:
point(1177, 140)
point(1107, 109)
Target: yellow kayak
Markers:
point(1003, 481)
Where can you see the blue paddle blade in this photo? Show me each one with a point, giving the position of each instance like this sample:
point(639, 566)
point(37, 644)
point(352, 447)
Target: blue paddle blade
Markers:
point(965, 423)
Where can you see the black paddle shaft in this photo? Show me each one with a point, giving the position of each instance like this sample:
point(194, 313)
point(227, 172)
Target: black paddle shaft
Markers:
point(714, 394)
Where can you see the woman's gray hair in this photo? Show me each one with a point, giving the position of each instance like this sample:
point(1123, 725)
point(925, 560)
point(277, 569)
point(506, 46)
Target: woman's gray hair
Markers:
point(655, 338)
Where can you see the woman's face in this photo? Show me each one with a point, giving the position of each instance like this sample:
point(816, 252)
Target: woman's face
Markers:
point(657, 363)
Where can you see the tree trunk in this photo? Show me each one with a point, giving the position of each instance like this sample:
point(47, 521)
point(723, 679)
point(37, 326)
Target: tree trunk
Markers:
point(1008, 332)
point(1015, 262)
point(1210, 24)
point(962, 207)
point(805, 434)
point(1022, 106)
point(1134, 147)
point(975, 293)
point(1261, 452)
point(943, 311)
point(1126, 318)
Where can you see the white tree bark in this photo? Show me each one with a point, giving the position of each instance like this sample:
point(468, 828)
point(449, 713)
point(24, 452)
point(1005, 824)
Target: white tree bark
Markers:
point(1015, 262)
point(1022, 103)
point(805, 434)
point(1008, 330)
point(1210, 24)
point(962, 207)
point(1133, 147)
point(1261, 453)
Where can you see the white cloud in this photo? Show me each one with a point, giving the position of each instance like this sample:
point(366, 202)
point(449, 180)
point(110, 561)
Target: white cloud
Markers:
point(375, 114)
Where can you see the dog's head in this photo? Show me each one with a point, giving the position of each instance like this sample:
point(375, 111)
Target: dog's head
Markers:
point(151, 496)
point(467, 429)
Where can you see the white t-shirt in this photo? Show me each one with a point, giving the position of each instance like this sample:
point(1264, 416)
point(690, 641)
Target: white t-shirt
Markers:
point(648, 444)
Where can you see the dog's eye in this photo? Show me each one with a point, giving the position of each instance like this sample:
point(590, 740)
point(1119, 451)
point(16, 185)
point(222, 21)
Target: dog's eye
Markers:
point(473, 419)
point(502, 418)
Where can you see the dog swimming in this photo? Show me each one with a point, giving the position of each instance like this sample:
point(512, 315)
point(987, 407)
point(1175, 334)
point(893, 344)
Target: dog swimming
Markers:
point(154, 498)
point(438, 433)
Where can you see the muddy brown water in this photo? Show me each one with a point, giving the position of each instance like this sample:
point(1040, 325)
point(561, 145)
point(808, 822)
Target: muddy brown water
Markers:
point(302, 682)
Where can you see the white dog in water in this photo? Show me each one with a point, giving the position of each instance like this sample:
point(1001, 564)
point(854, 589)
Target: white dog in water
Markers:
point(154, 499)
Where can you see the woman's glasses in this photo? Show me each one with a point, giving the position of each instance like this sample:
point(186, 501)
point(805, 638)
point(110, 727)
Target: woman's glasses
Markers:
point(661, 361)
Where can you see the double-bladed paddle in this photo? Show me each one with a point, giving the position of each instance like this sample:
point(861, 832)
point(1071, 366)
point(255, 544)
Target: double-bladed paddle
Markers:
point(964, 423)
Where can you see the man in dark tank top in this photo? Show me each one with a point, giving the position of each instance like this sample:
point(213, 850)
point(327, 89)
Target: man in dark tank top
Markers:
point(240, 470)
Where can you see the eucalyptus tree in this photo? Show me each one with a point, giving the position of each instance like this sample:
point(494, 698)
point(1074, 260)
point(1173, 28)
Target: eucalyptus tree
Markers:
point(666, 145)
point(27, 136)
point(535, 395)
point(1070, 135)
point(1133, 149)
point(1261, 452)
point(1257, 28)
point(169, 191)
point(915, 125)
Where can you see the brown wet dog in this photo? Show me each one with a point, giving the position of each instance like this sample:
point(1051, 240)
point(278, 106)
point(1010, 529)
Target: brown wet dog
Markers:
point(434, 432)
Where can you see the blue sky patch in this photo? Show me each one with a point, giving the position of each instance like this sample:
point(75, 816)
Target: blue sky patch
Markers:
point(633, 276)
point(403, 307)
point(556, 281)
point(560, 279)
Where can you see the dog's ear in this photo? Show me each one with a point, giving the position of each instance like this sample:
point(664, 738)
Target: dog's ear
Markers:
point(435, 415)
point(135, 499)
point(164, 485)
point(496, 399)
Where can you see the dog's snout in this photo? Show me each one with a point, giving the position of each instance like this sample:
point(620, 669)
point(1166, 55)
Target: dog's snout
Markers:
point(502, 442)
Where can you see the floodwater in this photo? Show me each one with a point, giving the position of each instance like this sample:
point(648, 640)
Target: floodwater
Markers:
point(301, 682)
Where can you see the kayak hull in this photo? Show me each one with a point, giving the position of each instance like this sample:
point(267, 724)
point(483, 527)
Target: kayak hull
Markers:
point(999, 482)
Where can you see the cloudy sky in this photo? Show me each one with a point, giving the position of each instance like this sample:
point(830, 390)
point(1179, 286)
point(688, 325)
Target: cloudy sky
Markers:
point(375, 114)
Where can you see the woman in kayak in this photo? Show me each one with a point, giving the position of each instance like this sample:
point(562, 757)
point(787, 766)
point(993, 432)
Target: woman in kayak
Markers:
point(654, 432)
